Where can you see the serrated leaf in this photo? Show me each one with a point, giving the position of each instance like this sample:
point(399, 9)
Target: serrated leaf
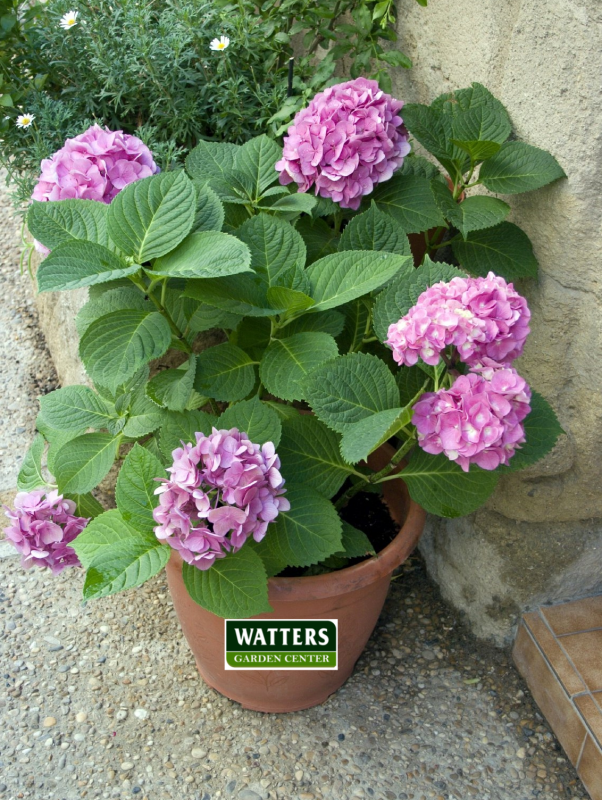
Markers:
point(478, 151)
point(144, 416)
point(30, 475)
point(211, 160)
point(355, 543)
point(106, 530)
point(320, 239)
point(86, 505)
point(76, 264)
point(233, 587)
point(291, 205)
point(474, 213)
point(308, 533)
point(84, 461)
point(374, 230)
point(289, 299)
point(258, 420)
point(56, 439)
point(331, 322)
point(276, 247)
point(181, 427)
point(206, 317)
point(225, 372)
point(244, 294)
point(209, 210)
point(59, 221)
point(135, 491)
point(287, 362)
point(396, 300)
point(341, 277)
point(150, 217)
point(125, 566)
point(542, 430)
point(363, 437)
point(207, 254)
point(409, 200)
point(350, 388)
point(520, 167)
point(410, 381)
point(172, 388)
point(76, 408)
point(357, 322)
point(309, 453)
point(113, 300)
point(483, 123)
point(257, 159)
point(434, 132)
point(504, 249)
point(441, 487)
point(117, 345)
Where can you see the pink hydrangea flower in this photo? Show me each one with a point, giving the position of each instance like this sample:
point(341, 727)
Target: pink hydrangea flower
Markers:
point(481, 317)
point(349, 138)
point(222, 490)
point(95, 165)
point(41, 528)
point(477, 421)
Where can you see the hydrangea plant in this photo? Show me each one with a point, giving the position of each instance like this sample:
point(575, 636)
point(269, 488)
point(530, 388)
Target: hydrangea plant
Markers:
point(302, 336)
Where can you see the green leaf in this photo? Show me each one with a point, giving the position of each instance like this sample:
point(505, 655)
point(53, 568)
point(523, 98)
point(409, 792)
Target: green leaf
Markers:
point(320, 239)
point(76, 408)
point(208, 254)
point(30, 475)
point(135, 491)
point(441, 487)
point(117, 345)
point(125, 566)
point(374, 230)
point(211, 160)
point(504, 249)
point(472, 214)
point(357, 318)
point(205, 317)
point(257, 159)
point(244, 294)
point(410, 380)
point(114, 300)
point(483, 123)
point(225, 372)
point(478, 151)
point(276, 247)
point(106, 530)
point(355, 543)
point(86, 505)
point(542, 430)
point(309, 453)
point(181, 427)
point(259, 421)
point(55, 439)
point(172, 388)
point(75, 264)
point(324, 207)
point(287, 362)
point(434, 132)
point(350, 388)
point(292, 204)
point(308, 533)
point(234, 587)
point(363, 437)
point(331, 322)
point(396, 300)
point(290, 300)
point(396, 59)
point(520, 167)
point(341, 277)
point(150, 217)
point(209, 211)
point(144, 416)
point(83, 462)
point(409, 200)
point(63, 221)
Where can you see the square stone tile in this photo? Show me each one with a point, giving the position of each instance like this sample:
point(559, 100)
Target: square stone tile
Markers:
point(579, 615)
point(554, 653)
point(585, 651)
point(591, 713)
point(589, 768)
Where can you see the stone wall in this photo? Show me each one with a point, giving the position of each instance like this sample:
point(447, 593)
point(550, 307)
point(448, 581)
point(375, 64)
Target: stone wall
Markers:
point(539, 538)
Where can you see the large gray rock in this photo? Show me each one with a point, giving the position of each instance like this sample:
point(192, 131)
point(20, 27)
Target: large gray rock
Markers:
point(539, 538)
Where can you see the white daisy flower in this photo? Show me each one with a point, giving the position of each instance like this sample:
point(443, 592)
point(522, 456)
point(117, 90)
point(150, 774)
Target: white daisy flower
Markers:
point(68, 20)
point(24, 120)
point(220, 44)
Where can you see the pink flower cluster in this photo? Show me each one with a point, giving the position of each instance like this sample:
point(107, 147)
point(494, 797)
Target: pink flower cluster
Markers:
point(348, 139)
point(481, 317)
point(222, 490)
point(42, 525)
point(477, 421)
point(95, 165)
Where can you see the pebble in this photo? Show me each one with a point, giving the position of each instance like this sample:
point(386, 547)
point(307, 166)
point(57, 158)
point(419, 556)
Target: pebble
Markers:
point(81, 716)
point(126, 765)
point(141, 713)
point(121, 714)
point(249, 794)
point(49, 722)
point(521, 752)
point(198, 752)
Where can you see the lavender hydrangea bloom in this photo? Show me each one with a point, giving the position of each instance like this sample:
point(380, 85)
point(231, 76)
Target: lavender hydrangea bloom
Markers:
point(95, 165)
point(42, 526)
point(477, 421)
point(222, 490)
point(481, 317)
point(348, 139)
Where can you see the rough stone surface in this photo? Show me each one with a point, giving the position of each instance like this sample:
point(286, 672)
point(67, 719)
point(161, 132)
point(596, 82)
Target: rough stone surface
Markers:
point(539, 537)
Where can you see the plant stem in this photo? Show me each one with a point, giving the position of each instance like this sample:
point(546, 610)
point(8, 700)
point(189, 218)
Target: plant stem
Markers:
point(161, 308)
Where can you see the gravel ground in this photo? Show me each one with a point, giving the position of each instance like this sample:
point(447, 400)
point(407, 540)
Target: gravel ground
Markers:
point(103, 700)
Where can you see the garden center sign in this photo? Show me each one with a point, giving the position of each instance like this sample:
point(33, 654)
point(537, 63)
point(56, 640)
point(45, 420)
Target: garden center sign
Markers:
point(281, 644)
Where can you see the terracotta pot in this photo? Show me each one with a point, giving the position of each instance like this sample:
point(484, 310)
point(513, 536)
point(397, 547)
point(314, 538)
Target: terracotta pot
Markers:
point(355, 596)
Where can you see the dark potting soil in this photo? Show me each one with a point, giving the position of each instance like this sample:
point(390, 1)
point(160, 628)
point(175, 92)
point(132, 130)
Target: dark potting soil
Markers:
point(366, 512)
